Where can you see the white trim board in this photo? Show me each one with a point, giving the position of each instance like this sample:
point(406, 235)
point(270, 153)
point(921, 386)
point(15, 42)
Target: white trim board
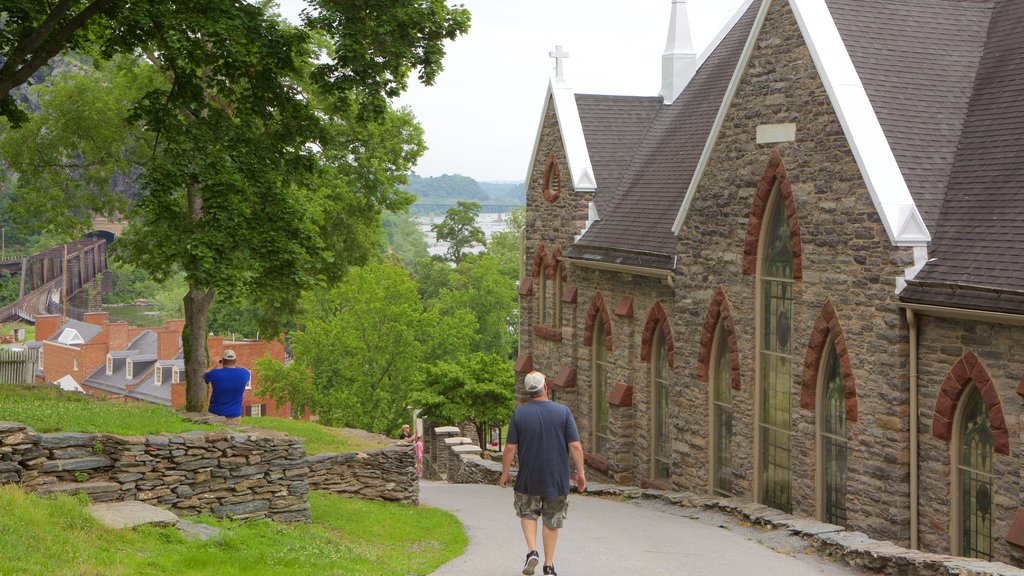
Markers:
point(886, 185)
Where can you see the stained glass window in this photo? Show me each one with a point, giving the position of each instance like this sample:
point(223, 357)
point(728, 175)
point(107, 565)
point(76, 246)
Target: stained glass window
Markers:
point(558, 297)
point(600, 389)
point(775, 359)
point(832, 427)
point(662, 457)
point(974, 471)
point(722, 414)
point(542, 313)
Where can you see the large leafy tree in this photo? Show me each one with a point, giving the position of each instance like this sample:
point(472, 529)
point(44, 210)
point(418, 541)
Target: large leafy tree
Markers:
point(361, 345)
point(477, 388)
point(267, 161)
point(460, 230)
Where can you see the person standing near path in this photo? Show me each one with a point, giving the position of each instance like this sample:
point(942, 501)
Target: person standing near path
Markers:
point(544, 435)
point(229, 383)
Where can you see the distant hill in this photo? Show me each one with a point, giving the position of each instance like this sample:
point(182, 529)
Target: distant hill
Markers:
point(434, 194)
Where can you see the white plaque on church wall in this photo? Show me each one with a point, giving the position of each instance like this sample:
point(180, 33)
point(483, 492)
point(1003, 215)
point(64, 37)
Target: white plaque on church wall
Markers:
point(772, 133)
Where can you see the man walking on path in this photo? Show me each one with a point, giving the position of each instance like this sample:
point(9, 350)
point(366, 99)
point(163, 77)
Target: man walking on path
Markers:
point(544, 434)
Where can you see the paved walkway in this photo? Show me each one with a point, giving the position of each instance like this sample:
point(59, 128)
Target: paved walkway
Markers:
point(604, 537)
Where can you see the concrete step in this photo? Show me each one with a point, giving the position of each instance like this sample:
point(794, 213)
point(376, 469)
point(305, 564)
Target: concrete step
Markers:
point(131, 514)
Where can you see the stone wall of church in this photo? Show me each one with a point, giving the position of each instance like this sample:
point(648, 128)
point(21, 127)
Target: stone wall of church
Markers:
point(943, 344)
point(552, 221)
point(627, 458)
point(846, 259)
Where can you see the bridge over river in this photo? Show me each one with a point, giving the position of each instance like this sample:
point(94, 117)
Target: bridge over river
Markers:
point(43, 276)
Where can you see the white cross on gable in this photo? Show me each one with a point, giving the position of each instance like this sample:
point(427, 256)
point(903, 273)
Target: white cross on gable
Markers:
point(559, 55)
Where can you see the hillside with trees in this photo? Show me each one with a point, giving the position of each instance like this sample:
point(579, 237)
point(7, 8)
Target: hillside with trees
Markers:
point(438, 193)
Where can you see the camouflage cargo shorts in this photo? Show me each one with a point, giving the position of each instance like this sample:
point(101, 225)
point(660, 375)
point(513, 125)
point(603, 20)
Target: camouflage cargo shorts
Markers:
point(553, 510)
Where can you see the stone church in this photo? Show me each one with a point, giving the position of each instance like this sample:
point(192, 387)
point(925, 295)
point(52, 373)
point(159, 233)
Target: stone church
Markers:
point(796, 275)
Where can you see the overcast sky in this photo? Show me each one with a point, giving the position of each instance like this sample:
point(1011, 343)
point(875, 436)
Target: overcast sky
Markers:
point(482, 114)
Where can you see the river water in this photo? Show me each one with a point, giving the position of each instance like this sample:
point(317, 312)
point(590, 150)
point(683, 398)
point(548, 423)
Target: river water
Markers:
point(490, 223)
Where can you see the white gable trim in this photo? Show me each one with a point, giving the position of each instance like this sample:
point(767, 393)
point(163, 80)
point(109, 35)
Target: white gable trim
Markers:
point(716, 129)
point(575, 143)
point(870, 147)
point(581, 171)
point(878, 167)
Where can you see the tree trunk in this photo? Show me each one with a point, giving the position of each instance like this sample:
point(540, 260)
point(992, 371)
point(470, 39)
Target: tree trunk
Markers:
point(193, 341)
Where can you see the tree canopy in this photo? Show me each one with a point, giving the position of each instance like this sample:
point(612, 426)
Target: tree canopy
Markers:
point(263, 161)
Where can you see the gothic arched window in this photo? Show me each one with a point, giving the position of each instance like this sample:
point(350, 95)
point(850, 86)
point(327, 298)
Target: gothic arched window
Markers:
point(721, 414)
point(973, 484)
point(775, 360)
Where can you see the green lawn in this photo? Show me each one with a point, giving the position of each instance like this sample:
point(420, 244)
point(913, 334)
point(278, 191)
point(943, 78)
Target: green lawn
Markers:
point(47, 409)
point(30, 330)
point(56, 536)
point(316, 438)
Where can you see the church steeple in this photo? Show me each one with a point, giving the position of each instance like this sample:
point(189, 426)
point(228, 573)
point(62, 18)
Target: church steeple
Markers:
point(679, 62)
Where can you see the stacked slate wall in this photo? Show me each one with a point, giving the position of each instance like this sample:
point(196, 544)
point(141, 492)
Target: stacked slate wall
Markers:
point(233, 475)
point(387, 474)
point(237, 475)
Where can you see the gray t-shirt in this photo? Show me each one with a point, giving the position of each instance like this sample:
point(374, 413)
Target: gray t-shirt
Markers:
point(542, 431)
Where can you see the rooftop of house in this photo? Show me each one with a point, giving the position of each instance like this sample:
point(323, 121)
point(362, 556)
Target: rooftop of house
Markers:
point(75, 333)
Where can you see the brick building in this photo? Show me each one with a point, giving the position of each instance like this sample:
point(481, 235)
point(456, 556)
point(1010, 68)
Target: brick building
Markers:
point(794, 276)
point(116, 361)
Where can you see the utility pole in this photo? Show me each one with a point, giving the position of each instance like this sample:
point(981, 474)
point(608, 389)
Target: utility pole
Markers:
point(64, 291)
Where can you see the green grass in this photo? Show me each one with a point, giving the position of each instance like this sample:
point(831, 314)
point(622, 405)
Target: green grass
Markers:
point(316, 438)
point(57, 536)
point(7, 328)
point(47, 409)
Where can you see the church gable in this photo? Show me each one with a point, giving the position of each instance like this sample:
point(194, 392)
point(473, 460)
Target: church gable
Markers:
point(556, 211)
point(816, 31)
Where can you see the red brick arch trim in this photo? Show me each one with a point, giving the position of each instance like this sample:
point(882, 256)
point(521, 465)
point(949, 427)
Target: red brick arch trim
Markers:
point(774, 173)
point(969, 369)
point(554, 266)
point(718, 311)
point(598, 311)
point(540, 258)
point(657, 318)
point(827, 329)
point(552, 179)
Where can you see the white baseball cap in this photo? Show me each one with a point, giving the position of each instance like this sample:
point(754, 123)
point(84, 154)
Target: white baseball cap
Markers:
point(534, 382)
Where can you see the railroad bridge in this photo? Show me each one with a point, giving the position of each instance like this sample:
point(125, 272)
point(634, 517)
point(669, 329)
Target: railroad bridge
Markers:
point(42, 275)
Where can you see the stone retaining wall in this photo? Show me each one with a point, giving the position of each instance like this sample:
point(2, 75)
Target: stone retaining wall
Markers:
point(237, 475)
point(386, 474)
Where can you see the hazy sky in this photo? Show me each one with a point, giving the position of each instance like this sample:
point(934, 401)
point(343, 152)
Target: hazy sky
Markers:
point(482, 114)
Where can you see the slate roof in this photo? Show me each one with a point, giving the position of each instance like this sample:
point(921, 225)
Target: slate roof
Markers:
point(85, 330)
point(977, 257)
point(636, 225)
point(917, 60)
point(144, 346)
point(613, 127)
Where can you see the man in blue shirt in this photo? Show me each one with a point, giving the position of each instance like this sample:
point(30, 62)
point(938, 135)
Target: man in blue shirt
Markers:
point(544, 434)
point(229, 384)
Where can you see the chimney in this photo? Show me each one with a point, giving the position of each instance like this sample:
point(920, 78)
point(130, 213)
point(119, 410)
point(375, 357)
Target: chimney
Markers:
point(168, 342)
point(46, 326)
point(117, 336)
point(679, 62)
point(169, 339)
point(97, 318)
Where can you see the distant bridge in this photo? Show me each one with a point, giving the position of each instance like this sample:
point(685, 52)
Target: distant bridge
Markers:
point(42, 275)
point(440, 207)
